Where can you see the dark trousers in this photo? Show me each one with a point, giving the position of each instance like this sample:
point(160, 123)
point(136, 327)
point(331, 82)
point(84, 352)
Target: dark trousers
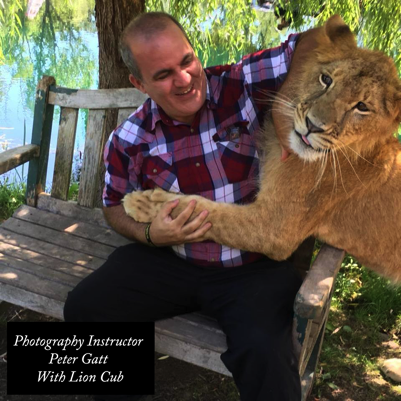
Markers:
point(252, 303)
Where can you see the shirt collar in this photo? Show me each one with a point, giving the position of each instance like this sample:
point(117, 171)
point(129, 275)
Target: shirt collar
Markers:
point(210, 99)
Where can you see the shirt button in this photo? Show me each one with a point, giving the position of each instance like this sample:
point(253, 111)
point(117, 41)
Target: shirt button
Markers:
point(192, 130)
point(155, 170)
point(197, 164)
point(237, 145)
point(212, 260)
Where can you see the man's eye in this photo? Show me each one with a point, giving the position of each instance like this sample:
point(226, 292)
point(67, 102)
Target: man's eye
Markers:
point(325, 80)
point(161, 77)
point(361, 107)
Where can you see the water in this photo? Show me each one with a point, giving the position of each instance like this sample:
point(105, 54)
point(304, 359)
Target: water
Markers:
point(71, 58)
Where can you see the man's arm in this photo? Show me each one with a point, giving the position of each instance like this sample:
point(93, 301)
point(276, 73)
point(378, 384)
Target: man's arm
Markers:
point(164, 231)
point(123, 224)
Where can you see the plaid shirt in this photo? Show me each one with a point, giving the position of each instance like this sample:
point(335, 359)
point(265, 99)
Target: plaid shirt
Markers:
point(215, 157)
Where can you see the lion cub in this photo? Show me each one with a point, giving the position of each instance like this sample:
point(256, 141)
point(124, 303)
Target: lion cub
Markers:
point(342, 182)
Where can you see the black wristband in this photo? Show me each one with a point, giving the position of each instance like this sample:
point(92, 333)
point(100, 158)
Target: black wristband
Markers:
point(147, 235)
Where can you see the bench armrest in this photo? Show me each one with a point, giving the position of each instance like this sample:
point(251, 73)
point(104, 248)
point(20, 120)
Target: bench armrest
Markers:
point(318, 284)
point(12, 158)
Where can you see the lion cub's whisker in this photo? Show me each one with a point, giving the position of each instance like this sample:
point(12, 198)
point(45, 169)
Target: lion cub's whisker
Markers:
point(349, 147)
point(349, 161)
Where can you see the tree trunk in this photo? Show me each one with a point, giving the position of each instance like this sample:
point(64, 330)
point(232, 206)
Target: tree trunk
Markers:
point(112, 16)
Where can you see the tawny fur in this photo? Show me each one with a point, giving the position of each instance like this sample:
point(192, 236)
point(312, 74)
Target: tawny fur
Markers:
point(345, 188)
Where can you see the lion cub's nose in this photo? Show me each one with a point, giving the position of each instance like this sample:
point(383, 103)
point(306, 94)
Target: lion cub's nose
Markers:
point(312, 127)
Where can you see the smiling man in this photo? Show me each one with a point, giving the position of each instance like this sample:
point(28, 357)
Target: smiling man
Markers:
point(170, 73)
point(195, 134)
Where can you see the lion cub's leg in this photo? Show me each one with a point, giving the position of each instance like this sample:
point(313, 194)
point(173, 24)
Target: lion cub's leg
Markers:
point(143, 206)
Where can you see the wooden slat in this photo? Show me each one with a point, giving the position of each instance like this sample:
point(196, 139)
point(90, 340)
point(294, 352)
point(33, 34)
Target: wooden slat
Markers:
point(309, 344)
point(44, 260)
point(96, 99)
point(57, 238)
point(188, 352)
point(29, 282)
point(93, 158)
point(27, 299)
point(92, 232)
point(42, 272)
point(123, 114)
point(55, 251)
point(316, 288)
point(12, 158)
point(306, 383)
point(41, 133)
point(64, 152)
point(207, 323)
point(71, 209)
point(195, 334)
point(194, 339)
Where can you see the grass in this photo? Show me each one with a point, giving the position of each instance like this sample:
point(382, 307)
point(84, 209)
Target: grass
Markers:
point(12, 196)
point(365, 312)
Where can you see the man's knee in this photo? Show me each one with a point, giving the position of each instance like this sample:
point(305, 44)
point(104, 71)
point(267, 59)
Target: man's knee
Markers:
point(74, 308)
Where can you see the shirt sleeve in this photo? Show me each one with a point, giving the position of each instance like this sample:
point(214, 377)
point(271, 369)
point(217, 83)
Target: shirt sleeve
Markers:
point(119, 178)
point(267, 69)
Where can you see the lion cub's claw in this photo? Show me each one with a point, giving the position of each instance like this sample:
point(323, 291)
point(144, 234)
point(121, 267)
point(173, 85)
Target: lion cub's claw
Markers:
point(140, 207)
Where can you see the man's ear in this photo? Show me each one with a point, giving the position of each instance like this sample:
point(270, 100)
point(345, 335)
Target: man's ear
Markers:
point(137, 83)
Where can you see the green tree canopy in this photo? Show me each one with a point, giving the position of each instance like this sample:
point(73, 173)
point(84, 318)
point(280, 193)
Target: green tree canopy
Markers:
point(377, 23)
point(50, 44)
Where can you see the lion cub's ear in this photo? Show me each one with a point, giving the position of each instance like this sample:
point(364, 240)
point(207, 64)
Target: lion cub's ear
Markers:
point(339, 33)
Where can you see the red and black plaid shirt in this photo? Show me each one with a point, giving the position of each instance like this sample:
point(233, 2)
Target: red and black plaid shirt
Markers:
point(215, 157)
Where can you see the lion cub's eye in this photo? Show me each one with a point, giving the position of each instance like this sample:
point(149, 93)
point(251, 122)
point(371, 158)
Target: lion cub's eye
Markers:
point(325, 80)
point(361, 107)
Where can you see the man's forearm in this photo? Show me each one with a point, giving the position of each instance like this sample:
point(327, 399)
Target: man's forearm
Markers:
point(123, 224)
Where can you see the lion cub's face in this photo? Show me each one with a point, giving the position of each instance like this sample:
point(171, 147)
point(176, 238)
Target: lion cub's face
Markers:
point(346, 104)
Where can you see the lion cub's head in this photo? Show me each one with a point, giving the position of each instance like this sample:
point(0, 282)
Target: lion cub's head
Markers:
point(345, 97)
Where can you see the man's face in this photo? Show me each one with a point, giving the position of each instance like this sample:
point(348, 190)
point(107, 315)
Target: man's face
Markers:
point(172, 75)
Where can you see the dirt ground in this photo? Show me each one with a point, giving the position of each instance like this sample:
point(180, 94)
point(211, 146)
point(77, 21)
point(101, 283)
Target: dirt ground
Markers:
point(174, 380)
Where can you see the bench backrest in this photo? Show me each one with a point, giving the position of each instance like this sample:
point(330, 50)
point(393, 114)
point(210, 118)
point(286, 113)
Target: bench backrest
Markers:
point(98, 102)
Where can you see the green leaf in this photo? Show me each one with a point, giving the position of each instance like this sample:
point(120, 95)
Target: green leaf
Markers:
point(329, 326)
point(332, 386)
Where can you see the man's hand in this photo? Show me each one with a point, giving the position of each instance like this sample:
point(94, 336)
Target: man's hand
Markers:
point(166, 231)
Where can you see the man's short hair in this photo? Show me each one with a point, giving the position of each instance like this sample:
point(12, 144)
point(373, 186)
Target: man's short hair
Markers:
point(145, 25)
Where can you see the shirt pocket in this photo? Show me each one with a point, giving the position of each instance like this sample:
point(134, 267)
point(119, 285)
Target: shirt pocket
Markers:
point(159, 171)
point(237, 153)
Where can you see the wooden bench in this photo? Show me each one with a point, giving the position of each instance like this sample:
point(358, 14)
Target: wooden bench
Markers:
point(50, 244)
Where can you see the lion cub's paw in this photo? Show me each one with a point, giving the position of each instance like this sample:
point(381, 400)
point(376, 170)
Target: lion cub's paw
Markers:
point(140, 207)
point(159, 195)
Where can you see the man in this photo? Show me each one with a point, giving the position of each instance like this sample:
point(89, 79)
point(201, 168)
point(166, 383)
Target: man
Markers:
point(196, 134)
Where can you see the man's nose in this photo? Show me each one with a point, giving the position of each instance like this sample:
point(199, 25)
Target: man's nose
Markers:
point(183, 78)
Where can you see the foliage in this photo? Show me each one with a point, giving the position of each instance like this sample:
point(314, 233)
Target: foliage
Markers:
point(10, 23)
point(377, 23)
point(12, 196)
point(225, 26)
point(51, 44)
